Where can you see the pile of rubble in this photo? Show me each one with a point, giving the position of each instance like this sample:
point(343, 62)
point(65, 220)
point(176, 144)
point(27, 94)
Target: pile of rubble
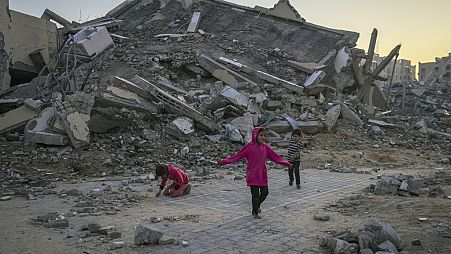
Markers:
point(205, 71)
point(376, 237)
point(407, 185)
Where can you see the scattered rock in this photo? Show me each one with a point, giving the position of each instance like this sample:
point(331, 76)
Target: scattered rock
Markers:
point(166, 240)
point(416, 242)
point(6, 198)
point(366, 240)
point(388, 246)
point(57, 224)
point(185, 243)
point(94, 227)
point(383, 232)
point(321, 217)
point(116, 245)
point(145, 234)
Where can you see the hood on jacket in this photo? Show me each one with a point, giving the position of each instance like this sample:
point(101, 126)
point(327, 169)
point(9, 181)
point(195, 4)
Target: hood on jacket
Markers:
point(255, 132)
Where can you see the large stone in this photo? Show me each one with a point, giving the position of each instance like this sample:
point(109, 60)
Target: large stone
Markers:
point(332, 116)
point(328, 242)
point(366, 240)
point(366, 251)
point(413, 186)
point(383, 232)
point(166, 240)
point(144, 234)
point(388, 246)
point(344, 247)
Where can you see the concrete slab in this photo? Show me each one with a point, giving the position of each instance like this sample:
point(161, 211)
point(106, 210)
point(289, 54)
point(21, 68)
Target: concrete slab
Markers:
point(306, 67)
point(194, 24)
point(76, 128)
point(38, 130)
point(16, 118)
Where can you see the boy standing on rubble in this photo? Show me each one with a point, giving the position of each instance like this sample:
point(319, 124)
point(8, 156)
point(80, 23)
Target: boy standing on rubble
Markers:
point(256, 153)
point(180, 185)
point(294, 157)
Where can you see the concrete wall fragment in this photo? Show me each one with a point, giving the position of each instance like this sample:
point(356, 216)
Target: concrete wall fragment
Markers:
point(194, 24)
point(24, 34)
point(16, 118)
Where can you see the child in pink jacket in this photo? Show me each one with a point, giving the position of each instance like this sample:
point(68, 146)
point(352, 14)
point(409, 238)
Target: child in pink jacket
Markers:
point(256, 153)
point(180, 185)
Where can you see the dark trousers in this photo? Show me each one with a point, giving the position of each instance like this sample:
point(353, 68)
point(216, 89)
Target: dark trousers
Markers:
point(259, 194)
point(295, 169)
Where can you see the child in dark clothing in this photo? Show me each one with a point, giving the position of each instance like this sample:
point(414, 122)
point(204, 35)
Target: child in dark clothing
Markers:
point(256, 153)
point(294, 157)
point(180, 185)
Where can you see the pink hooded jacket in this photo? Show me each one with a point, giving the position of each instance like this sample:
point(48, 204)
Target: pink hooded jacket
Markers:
point(256, 155)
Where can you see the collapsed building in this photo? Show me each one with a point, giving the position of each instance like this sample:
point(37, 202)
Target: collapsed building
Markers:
point(212, 67)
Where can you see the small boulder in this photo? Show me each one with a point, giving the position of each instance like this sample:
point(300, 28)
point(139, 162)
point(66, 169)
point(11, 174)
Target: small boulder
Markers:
point(144, 234)
point(166, 240)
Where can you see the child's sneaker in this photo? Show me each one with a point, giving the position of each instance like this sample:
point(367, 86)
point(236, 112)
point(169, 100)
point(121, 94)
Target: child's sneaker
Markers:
point(256, 216)
point(298, 186)
point(290, 183)
point(187, 190)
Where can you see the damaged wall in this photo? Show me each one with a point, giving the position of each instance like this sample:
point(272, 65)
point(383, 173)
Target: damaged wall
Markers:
point(24, 34)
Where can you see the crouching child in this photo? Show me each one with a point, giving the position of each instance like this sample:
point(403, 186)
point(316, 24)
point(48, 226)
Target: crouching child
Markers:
point(180, 181)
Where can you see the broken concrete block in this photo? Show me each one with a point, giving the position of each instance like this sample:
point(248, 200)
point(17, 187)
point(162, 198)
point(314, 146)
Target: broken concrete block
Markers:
point(76, 128)
point(233, 134)
point(166, 240)
point(116, 245)
point(262, 75)
point(16, 118)
point(81, 102)
point(332, 116)
point(383, 232)
point(341, 60)
point(38, 130)
point(92, 41)
point(145, 234)
point(273, 105)
point(221, 72)
point(343, 247)
point(244, 124)
point(57, 224)
point(329, 242)
point(366, 240)
point(388, 246)
point(194, 24)
point(413, 186)
point(235, 97)
point(349, 115)
point(309, 102)
point(314, 79)
point(383, 188)
point(308, 127)
point(50, 15)
point(184, 124)
point(178, 107)
point(306, 67)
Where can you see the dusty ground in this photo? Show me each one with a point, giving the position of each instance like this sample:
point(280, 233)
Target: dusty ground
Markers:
point(348, 210)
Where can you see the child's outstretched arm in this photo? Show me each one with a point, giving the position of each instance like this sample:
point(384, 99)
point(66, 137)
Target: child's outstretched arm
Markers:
point(273, 156)
point(240, 155)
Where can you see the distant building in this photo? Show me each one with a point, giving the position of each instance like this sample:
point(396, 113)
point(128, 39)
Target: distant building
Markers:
point(440, 70)
point(404, 70)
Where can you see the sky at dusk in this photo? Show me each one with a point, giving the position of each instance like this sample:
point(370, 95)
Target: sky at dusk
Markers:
point(422, 27)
